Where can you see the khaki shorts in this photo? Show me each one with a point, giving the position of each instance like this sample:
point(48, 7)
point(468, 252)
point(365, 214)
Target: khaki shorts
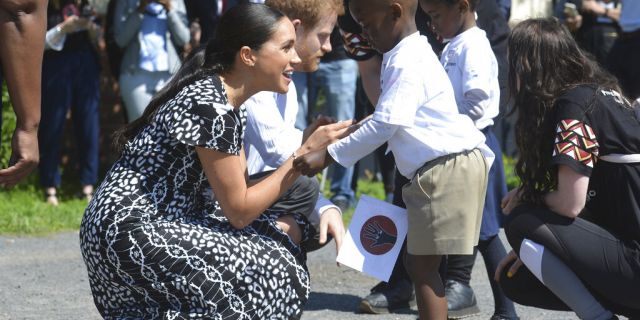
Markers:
point(445, 200)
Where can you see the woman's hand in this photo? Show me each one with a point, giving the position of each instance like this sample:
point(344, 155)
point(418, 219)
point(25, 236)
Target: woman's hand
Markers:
point(510, 201)
point(320, 121)
point(74, 24)
point(331, 223)
point(509, 259)
point(312, 162)
point(326, 135)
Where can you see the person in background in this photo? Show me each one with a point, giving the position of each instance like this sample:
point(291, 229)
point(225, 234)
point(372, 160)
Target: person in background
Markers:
point(505, 8)
point(149, 31)
point(70, 81)
point(22, 29)
point(593, 23)
point(623, 59)
point(574, 222)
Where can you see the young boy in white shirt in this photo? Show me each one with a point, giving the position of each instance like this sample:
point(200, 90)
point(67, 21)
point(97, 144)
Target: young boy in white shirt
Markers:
point(440, 150)
point(472, 68)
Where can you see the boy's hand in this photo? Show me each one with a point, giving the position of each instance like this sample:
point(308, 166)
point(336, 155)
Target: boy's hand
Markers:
point(313, 162)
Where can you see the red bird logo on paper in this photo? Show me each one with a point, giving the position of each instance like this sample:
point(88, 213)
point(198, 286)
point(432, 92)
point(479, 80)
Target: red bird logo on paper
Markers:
point(378, 235)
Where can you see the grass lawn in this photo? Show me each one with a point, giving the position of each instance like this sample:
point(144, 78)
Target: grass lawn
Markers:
point(23, 210)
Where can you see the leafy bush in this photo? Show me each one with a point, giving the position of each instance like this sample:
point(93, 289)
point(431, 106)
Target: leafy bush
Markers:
point(8, 125)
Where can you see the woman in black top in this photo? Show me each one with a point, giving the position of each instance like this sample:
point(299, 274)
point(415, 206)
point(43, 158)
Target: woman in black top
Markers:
point(575, 220)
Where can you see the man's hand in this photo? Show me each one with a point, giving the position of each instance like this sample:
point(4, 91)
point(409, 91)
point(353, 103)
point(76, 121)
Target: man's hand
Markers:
point(331, 223)
point(313, 162)
point(24, 157)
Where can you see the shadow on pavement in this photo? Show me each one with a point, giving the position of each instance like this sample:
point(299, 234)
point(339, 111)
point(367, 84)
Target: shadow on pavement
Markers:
point(340, 302)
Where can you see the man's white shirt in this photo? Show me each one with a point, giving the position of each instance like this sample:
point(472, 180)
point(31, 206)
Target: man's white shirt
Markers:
point(473, 70)
point(271, 136)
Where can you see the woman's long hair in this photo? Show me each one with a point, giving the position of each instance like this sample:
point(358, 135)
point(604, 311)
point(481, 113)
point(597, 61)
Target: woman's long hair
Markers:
point(544, 61)
point(248, 25)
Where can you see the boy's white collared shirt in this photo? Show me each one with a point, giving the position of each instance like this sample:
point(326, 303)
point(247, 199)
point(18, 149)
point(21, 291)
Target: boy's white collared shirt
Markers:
point(416, 113)
point(473, 70)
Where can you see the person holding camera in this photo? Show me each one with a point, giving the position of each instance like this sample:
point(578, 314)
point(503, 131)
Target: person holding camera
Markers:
point(593, 23)
point(70, 80)
point(149, 31)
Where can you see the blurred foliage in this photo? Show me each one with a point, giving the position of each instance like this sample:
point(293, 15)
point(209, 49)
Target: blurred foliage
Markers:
point(510, 172)
point(8, 125)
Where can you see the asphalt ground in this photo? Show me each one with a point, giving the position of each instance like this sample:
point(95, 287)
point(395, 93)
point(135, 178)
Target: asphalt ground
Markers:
point(45, 278)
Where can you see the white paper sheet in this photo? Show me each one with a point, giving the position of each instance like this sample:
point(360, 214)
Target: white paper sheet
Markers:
point(374, 238)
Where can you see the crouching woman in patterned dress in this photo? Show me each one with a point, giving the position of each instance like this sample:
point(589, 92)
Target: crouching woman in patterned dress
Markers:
point(156, 243)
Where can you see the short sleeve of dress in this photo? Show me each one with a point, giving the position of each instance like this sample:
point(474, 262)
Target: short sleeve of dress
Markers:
point(575, 144)
point(202, 117)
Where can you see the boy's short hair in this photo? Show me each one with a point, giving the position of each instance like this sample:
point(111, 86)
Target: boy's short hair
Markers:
point(308, 11)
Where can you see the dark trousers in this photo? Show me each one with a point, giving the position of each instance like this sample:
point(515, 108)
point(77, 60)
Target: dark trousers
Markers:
point(623, 62)
point(608, 267)
point(300, 198)
point(70, 80)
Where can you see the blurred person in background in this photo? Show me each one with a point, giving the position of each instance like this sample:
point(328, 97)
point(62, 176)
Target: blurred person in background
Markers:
point(70, 80)
point(594, 24)
point(149, 31)
point(623, 59)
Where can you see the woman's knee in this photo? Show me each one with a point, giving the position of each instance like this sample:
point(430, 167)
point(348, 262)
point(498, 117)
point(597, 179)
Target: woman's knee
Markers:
point(520, 224)
point(289, 225)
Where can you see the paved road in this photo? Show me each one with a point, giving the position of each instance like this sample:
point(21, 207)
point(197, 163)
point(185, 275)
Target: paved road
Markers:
point(45, 278)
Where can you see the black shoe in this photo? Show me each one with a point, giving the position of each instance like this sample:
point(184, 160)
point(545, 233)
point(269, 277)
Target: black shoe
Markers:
point(499, 317)
point(461, 302)
point(386, 297)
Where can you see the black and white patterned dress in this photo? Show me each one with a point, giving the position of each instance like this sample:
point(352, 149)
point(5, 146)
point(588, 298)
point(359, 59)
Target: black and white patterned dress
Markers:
point(156, 243)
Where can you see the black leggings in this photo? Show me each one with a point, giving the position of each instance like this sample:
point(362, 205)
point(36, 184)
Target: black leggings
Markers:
point(608, 267)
